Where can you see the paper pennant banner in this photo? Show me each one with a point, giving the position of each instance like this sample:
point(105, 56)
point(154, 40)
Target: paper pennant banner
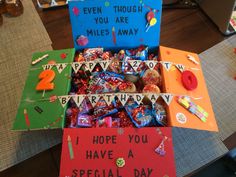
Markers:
point(180, 67)
point(104, 64)
point(108, 98)
point(137, 97)
point(76, 66)
point(78, 99)
point(61, 67)
point(151, 64)
point(64, 99)
point(94, 99)
point(123, 97)
point(167, 97)
point(90, 65)
point(167, 65)
point(153, 97)
point(47, 67)
point(135, 64)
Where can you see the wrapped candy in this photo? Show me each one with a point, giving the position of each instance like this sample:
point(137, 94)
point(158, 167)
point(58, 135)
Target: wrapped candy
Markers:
point(159, 113)
point(93, 54)
point(125, 120)
point(84, 120)
point(141, 115)
point(108, 122)
point(140, 53)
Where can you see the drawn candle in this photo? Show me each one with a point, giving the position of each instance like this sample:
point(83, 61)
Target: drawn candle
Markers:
point(39, 59)
point(114, 35)
point(70, 147)
point(26, 118)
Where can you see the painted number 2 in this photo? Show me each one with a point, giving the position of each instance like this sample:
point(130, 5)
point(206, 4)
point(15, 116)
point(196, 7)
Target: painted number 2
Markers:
point(46, 77)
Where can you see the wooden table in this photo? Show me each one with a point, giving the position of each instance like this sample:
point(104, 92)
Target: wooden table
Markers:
point(185, 29)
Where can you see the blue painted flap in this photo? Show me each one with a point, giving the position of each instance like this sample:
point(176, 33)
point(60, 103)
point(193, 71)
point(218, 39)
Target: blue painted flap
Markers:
point(115, 23)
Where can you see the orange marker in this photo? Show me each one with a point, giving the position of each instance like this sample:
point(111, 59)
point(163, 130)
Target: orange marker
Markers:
point(26, 118)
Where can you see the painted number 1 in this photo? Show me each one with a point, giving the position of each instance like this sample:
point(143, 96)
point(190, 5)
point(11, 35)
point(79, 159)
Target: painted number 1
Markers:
point(46, 77)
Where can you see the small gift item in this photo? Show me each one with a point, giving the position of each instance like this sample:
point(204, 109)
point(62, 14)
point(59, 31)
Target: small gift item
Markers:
point(14, 7)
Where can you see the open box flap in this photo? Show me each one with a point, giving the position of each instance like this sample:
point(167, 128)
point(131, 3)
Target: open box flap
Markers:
point(115, 24)
point(178, 115)
point(82, 151)
point(37, 110)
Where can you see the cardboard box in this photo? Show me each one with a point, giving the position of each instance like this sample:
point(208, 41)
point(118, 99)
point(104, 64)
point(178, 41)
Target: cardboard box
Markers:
point(148, 151)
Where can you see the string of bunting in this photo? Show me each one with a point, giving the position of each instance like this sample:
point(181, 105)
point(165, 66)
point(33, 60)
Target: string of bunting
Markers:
point(105, 63)
point(123, 97)
point(109, 97)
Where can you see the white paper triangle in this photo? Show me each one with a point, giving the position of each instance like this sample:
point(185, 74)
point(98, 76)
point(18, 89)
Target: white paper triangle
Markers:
point(123, 97)
point(104, 64)
point(47, 67)
point(135, 64)
point(53, 3)
point(167, 65)
point(180, 67)
point(167, 97)
point(76, 66)
point(61, 67)
point(138, 98)
point(151, 64)
point(64, 99)
point(153, 97)
point(90, 65)
point(93, 98)
point(108, 98)
point(78, 99)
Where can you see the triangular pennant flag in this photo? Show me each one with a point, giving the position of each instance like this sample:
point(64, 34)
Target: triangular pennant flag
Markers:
point(137, 97)
point(167, 97)
point(76, 66)
point(78, 99)
point(153, 97)
point(90, 65)
point(61, 67)
point(64, 99)
point(180, 67)
point(94, 99)
point(47, 67)
point(166, 64)
point(53, 3)
point(151, 64)
point(135, 64)
point(108, 98)
point(123, 97)
point(104, 64)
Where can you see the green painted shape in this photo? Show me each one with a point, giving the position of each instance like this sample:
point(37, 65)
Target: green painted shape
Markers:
point(53, 113)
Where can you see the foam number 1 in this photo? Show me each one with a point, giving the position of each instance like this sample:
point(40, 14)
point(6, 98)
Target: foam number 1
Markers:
point(46, 77)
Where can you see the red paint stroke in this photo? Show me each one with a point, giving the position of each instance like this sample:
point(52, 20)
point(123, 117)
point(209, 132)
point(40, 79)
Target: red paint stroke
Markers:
point(26, 118)
point(235, 50)
point(53, 123)
point(63, 56)
point(113, 35)
point(76, 11)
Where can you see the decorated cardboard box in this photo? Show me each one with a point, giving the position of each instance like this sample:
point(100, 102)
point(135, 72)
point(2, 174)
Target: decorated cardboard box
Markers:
point(117, 94)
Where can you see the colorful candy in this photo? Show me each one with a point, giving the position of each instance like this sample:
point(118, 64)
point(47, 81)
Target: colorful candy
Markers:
point(193, 108)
